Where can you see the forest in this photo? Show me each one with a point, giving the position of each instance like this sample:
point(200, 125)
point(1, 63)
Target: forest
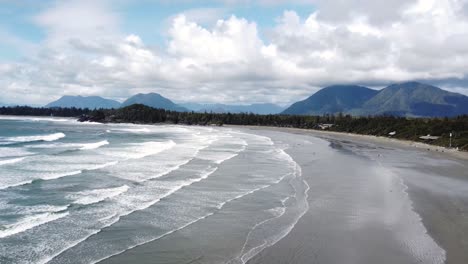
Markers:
point(388, 126)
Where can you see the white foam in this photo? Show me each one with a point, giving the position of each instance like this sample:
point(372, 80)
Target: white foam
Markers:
point(42, 209)
point(56, 175)
point(11, 161)
point(14, 152)
point(80, 146)
point(49, 137)
point(132, 130)
point(33, 210)
point(135, 203)
point(151, 148)
point(102, 166)
point(141, 150)
point(41, 119)
point(96, 145)
point(53, 176)
point(36, 119)
point(9, 185)
point(96, 196)
point(29, 222)
point(277, 211)
point(219, 156)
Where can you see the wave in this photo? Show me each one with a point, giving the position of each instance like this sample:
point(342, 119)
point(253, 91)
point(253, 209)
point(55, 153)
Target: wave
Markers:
point(24, 139)
point(96, 196)
point(60, 175)
point(36, 119)
point(141, 150)
point(102, 166)
point(112, 219)
point(45, 208)
point(11, 161)
point(220, 156)
point(96, 145)
point(131, 130)
point(298, 211)
point(156, 238)
point(29, 222)
point(151, 148)
point(14, 152)
point(45, 177)
point(39, 119)
point(54, 176)
point(78, 146)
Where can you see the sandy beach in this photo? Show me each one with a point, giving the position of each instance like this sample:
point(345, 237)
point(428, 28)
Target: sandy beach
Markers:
point(436, 183)
point(370, 200)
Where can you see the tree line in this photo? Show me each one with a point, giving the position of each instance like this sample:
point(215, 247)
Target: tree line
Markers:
point(403, 127)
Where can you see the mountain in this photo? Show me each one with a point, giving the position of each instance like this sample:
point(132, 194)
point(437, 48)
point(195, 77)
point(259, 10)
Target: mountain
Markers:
point(416, 99)
point(332, 99)
point(91, 102)
point(403, 99)
point(154, 100)
point(262, 109)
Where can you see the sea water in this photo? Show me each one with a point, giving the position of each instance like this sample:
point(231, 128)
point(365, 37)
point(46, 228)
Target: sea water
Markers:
point(84, 192)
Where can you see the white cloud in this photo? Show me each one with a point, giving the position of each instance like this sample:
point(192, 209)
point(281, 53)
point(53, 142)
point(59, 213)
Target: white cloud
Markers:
point(226, 60)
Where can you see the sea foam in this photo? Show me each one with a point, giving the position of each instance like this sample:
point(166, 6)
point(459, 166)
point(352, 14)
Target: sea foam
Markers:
point(48, 138)
point(94, 145)
point(29, 222)
point(95, 196)
point(11, 161)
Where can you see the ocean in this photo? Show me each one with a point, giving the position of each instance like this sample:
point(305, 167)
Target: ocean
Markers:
point(84, 192)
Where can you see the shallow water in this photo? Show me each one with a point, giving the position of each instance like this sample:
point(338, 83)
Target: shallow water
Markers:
point(82, 192)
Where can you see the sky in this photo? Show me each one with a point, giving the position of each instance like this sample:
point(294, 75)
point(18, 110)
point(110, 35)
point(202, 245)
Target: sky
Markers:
point(226, 51)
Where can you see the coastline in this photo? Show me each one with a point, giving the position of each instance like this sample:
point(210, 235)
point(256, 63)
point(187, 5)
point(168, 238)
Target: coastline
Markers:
point(442, 211)
point(366, 138)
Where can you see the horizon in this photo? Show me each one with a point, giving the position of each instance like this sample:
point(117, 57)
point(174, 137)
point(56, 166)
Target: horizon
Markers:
point(227, 52)
point(182, 103)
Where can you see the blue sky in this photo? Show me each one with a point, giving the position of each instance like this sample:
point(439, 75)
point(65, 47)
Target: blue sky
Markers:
point(226, 51)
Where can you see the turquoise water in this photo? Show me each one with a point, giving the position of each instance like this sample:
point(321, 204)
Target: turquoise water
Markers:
point(83, 192)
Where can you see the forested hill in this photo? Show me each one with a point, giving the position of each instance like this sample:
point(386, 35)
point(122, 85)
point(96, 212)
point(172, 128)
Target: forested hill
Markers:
point(404, 128)
point(410, 99)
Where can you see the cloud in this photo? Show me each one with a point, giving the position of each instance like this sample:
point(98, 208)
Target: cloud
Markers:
point(232, 60)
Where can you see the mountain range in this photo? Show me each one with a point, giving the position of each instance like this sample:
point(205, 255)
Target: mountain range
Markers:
point(403, 99)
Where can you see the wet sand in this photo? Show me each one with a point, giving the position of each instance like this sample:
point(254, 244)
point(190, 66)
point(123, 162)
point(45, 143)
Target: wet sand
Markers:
point(371, 200)
point(334, 231)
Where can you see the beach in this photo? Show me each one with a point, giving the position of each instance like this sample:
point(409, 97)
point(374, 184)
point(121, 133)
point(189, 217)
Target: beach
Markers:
point(371, 200)
point(436, 183)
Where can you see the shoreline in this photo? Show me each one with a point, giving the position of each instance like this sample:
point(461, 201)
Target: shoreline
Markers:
point(374, 139)
point(442, 210)
point(325, 133)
